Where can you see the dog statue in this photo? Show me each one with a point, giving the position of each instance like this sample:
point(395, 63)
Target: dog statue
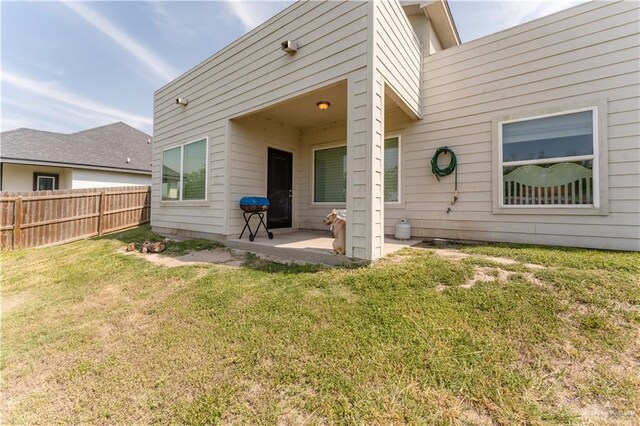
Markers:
point(338, 229)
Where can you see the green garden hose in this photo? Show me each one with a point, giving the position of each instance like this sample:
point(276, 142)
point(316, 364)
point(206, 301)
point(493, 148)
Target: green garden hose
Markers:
point(451, 168)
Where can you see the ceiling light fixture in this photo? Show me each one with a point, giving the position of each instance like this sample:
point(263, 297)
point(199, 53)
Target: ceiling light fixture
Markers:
point(323, 105)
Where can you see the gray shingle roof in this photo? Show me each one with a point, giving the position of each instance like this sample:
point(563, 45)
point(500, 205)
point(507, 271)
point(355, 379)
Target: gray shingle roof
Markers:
point(106, 146)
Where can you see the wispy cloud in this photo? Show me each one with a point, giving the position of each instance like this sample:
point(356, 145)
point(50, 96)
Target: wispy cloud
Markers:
point(254, 13)
point(479, 18)
point(169, 19)
point(28, 110)
point(242, 11)
point(517, 12)
point(157, 66)
point(82, 106)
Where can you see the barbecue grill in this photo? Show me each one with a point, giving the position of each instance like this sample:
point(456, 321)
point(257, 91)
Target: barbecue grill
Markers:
point(254, 206)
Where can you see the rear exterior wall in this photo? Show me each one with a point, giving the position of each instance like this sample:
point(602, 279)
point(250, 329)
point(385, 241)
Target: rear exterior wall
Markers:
point(586, 54)
point(251, 139)
point(85, 178)
point(19, 177)
point(249, 75)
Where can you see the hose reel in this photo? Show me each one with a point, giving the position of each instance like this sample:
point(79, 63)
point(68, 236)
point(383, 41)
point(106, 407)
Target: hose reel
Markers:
point(446, 171)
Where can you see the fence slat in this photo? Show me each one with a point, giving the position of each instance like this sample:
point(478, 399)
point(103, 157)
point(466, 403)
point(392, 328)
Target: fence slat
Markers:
point(101, 214)
point(45, 218)
point(17, 223)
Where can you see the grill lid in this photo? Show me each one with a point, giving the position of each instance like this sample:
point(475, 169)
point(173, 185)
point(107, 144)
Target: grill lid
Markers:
point(254, 201)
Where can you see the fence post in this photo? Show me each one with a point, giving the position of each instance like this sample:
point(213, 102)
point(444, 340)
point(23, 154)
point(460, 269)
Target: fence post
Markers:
point(17, 223)
point(101, 216)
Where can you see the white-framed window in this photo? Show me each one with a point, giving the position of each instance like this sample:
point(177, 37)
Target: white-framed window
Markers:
point(45, 181)
point(184, 171)
point(549, 161)
point(330, 173)
point(392, 170)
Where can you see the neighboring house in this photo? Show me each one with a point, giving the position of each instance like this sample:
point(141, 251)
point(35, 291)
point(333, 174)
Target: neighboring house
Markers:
point(111, 155)
point(543, 118)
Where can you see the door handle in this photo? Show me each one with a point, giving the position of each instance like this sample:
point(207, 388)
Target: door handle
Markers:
point(290, 193)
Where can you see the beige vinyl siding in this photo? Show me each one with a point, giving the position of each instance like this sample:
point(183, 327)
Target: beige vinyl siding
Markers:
point(251, 138)
point(248, 75)
point(426, 34)
point(434, 42)
point(377, 169)
point(19, 177)
point(85, 178)
point(359, 138)
point(398, 53)
point(585, 54)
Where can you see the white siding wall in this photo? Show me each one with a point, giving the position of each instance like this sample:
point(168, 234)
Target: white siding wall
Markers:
point(82, 178)
point(425, 33)
point(398, 53)
point(252, 136)
point(19, 177)
point(586, 53)
point(359, 166)
point(250, 74)
point(434, 43)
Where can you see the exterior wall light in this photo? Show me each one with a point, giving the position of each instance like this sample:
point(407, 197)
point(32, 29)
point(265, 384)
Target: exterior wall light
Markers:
point(289, 46)
point(323, 105)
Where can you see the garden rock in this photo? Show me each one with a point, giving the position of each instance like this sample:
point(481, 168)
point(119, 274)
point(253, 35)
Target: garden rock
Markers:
point(157, 247)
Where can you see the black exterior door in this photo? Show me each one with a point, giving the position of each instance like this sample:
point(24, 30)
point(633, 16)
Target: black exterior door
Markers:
point(279, 188)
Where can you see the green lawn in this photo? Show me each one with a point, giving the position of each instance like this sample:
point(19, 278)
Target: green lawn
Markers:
point(90, 335)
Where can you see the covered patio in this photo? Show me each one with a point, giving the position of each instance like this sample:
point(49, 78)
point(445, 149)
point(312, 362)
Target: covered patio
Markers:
point(309, 160)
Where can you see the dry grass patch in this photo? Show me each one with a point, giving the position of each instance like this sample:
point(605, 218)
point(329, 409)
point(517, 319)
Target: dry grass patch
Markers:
point(101, 337)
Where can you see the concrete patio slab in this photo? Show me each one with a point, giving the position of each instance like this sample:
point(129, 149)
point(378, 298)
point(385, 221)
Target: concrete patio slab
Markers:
point(306, 246)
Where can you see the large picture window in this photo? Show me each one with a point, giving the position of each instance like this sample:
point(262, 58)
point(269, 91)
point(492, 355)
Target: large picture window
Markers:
point(184, 172)
point(549, 161)
point(330, 173)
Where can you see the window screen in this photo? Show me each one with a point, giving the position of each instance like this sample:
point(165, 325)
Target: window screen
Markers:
point(194, 170)
point(391, 165)
point(567, 135)
point(330, 175)
point(171, 174)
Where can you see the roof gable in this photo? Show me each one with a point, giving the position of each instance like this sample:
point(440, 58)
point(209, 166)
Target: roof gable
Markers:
point(107, 146)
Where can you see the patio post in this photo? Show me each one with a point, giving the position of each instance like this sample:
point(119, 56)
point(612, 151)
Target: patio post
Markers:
point(365, 161)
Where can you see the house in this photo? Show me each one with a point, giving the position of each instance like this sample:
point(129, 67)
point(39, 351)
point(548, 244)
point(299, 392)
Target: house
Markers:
point(111, 155)
point(543, 119)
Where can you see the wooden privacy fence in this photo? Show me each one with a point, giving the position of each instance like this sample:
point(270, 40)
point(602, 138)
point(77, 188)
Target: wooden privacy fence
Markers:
point(42, 218)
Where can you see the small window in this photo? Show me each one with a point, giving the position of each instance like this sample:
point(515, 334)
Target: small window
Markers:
point(45, 181)
point(184, 172)
point(549, 161)
point(392, 170)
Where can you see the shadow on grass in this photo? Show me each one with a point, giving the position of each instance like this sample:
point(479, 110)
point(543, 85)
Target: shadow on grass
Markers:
point(174, 248)
point(252, 261)
point(178, 248)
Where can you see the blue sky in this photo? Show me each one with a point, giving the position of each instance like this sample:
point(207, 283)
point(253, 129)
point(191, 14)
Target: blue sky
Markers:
point(69, 66)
